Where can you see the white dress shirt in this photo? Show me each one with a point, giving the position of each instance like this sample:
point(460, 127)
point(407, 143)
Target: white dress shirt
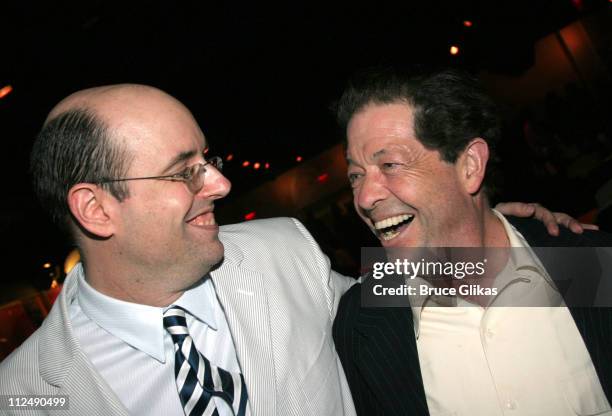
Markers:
point(507, 360)
point(130, 348)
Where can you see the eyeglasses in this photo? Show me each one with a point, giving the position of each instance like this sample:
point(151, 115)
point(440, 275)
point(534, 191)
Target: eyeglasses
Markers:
point(193, 175)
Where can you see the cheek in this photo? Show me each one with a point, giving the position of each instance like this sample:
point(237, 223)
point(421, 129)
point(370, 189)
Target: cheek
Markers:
point(356, 200)
point(358, 211)
point(159, 223)
point(407, 189)
point(170, 206)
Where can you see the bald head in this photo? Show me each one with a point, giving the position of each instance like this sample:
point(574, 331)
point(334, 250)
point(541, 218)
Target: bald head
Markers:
point(92, 135)
point(112, 100)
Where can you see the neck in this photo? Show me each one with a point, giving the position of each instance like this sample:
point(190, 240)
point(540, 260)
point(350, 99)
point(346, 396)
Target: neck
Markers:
point(134, 283)
point(492, 234)
point(483, 228)
point(495, 233)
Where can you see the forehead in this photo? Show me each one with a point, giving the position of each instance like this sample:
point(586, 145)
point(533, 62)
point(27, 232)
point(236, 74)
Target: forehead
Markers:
point(378, 126)
point(156, 131)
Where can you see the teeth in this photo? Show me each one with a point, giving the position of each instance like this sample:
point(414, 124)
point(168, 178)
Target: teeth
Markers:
point(203, 220)
point(389, 235)
point(391, 221)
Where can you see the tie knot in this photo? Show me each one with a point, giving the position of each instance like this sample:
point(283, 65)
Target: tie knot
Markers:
point(176, 323)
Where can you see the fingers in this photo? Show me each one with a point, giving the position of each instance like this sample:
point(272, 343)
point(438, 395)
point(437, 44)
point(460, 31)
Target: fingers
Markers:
point(548, 218)
point(590, 226)
point(551, 220)
point(568, 222)
point(517, 209)
point(573, 224)
point(535, 210)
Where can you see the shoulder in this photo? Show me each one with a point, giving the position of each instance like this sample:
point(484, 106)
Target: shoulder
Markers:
point(271, 229)
point(275, 240)
point(536, 234)
point(283, 242)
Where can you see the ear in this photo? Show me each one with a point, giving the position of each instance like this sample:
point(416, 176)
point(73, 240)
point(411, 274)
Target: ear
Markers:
point(91, 206)
point(473, 165)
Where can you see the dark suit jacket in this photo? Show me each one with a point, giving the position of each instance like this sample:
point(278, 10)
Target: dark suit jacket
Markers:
point(378, 350)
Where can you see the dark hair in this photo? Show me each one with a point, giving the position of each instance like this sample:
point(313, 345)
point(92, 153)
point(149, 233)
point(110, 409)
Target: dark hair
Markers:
point(450, 107)
point(74, 147)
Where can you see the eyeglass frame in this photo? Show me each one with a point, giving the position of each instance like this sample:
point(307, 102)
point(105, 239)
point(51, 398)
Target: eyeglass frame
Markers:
point(215, 161)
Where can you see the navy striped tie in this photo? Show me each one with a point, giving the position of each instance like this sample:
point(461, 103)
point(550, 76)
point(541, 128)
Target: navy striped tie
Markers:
point(196, 378)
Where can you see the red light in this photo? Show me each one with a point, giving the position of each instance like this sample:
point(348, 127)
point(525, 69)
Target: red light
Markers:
point(229, 157)
point(267, 165)
point(256, 165)
point(467, 23)
point(298, 159)
point(454, 50)
point(206, 150)
point(6, 90)
point(245, 163)
point(250, 216)
point(578, 4)
point(323, 177)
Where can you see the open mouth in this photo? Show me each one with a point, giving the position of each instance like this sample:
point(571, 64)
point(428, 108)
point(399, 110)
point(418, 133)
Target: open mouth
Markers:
point(389, 228)
point(203, 220)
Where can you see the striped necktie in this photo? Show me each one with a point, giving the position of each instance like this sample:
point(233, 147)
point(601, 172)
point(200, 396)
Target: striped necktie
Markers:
point(196, 378)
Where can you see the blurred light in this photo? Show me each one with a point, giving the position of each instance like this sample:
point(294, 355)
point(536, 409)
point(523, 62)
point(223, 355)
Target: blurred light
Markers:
point(323, 177)
point(454, 50)
point(467, 23)
point(250, 216)
point(578, 4)
point(256, 165)
point(229, 157)
point(267, 165)
point(245, 163)
point(47, 266)
point(298, 159)
point(73, 258)
point(54, 284)
point(6, 90)
point(206, 150)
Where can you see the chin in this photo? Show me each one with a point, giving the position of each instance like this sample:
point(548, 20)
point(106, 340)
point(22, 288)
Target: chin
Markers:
point(214, 253)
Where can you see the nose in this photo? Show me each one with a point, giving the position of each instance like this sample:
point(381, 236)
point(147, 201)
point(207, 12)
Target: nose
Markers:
point(370, 191)
point(216, 186)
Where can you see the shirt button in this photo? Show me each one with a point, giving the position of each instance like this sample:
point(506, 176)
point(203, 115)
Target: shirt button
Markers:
point(511, 405)
point(490, 333)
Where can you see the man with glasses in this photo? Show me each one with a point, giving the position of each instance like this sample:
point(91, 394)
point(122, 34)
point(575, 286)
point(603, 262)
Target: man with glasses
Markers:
point(137, 329)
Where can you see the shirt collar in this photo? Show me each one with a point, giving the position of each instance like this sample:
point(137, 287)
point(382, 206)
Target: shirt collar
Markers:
point(520, 260)
point(141, 326)
point(523, 259)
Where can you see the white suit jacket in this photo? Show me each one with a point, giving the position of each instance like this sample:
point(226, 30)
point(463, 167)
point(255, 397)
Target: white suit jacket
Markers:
point(280, 298)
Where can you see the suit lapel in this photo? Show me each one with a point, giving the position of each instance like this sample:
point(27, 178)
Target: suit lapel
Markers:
point(64, 365)
point(242, 294)
point(387, 355)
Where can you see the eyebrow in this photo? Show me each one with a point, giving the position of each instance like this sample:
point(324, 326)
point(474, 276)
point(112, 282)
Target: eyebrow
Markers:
point(374, 156)
point(178, 159)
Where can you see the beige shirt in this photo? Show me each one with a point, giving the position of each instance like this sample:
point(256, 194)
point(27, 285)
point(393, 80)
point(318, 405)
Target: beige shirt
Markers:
point(503, 360)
